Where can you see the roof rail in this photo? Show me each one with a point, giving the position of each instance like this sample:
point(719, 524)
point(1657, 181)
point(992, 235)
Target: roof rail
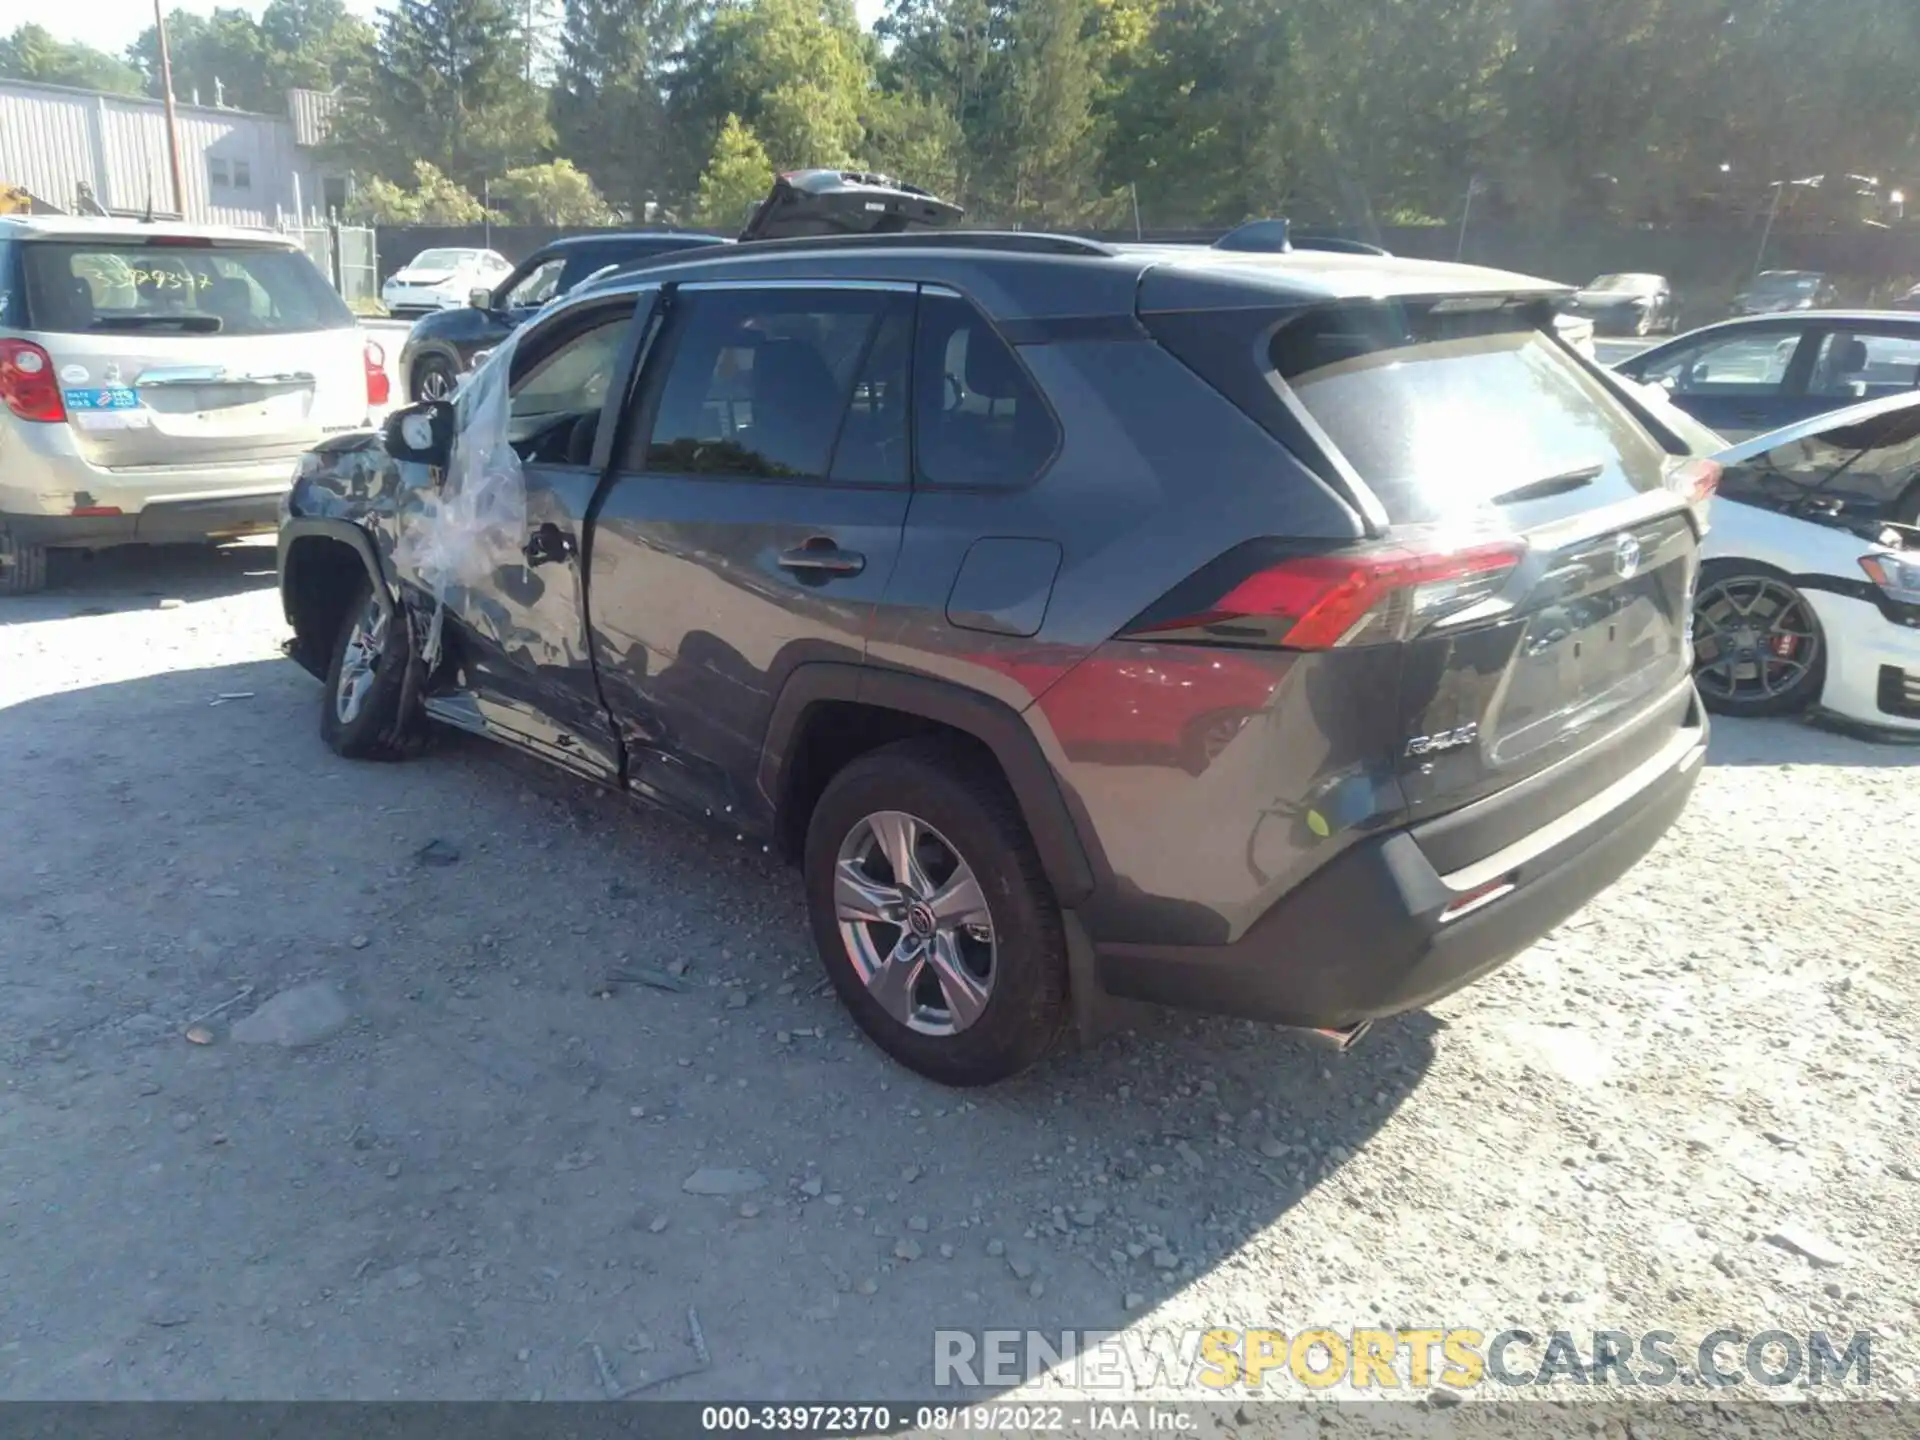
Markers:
point(1018, 242)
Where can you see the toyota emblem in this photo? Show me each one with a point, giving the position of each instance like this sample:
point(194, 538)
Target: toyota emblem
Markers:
point(1626, 557)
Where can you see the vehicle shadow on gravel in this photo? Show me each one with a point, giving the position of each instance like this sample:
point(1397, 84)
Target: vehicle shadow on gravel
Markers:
point(591, 1078)
point(142, 577)
point(1801, 742)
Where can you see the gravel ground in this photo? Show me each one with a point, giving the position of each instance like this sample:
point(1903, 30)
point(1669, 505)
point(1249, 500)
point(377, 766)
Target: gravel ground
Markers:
point(482, 1172)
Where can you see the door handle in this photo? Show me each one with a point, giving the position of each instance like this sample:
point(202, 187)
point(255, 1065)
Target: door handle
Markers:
point(548, 544)
point(820, 558)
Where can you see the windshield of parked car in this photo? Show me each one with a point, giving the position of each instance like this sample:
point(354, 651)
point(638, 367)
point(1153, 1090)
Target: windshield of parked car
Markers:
point(108, 286)
point(1627, 284)
point(443, 259)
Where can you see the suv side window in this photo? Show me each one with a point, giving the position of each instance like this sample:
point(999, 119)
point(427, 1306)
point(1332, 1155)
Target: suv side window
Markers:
point(538, 285)
point(555, 401)
point(758, 384)
point(979, 422)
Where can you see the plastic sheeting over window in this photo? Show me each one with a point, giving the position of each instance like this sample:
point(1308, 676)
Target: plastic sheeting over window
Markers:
point(476, 521)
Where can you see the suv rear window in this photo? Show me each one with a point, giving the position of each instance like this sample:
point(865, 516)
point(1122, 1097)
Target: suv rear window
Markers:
point(78, 287)
point(1442, 411)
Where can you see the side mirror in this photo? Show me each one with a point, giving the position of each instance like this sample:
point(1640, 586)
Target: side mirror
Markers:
point(421, 434)
point(480, 298)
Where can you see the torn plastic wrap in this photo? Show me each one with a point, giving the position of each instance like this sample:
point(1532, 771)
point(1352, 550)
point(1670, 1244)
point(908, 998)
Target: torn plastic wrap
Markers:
point(454, 537)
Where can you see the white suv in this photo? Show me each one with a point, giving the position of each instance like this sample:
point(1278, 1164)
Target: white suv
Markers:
point(158, 383)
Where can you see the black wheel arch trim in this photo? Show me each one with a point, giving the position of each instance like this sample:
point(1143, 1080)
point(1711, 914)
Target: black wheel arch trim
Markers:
point(342, 532)
point(1063, 853)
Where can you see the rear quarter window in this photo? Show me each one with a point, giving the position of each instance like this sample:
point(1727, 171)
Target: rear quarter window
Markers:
point(1443, 412)
point(125, 287)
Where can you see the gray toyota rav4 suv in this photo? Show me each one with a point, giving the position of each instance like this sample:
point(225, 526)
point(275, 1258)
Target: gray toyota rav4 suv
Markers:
point(1295, 635)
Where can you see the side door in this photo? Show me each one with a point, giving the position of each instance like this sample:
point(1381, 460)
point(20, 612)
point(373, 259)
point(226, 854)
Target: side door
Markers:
point(525, 667)
point(1742, 382)
point(751, 521)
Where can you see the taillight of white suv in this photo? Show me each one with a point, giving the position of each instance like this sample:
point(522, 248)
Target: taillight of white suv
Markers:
point(27, 383)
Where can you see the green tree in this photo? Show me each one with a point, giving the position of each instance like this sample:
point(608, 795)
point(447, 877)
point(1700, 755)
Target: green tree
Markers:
point(738, 176)
point(315, 44)
point(552, 194)
point(447, 85)
point(220, 58)
point(31, 53)
point(794, 72)
point(435, 199)
point(609, 101)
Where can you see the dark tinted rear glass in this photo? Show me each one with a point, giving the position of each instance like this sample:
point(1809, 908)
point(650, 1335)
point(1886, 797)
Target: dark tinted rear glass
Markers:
point(978, 420)
point(1444, 411)
point(126, 287)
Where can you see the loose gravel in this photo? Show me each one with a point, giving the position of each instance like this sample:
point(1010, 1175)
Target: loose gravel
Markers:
point(1692, 1108)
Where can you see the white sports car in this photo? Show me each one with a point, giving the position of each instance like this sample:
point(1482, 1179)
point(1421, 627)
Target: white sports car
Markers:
point(1809, 597)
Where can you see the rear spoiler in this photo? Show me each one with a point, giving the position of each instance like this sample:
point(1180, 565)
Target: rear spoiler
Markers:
point(1276, 237)
point(845, 202)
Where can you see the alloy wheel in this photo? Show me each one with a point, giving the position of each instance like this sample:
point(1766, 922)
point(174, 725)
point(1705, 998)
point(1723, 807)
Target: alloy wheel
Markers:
point(359, 662)
point(915, 923)
point(1754, 639)
point(436, 383)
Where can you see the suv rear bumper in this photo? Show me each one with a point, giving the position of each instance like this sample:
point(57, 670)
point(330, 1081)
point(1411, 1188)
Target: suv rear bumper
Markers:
point(183, 521)
point(1367, 936)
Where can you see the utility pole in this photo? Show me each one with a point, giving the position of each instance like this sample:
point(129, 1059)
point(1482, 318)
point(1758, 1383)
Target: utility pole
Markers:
point(173, 120)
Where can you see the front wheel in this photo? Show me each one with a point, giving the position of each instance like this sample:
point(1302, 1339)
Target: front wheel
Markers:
point(932, 914)
point(361, 715)
point(1757, 646)
point(432, 378)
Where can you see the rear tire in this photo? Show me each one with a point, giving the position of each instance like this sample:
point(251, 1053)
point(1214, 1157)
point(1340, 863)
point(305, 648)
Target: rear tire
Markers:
point(23, 568)
point(1758, 648)
point(361, 712)
point(1010, 1007)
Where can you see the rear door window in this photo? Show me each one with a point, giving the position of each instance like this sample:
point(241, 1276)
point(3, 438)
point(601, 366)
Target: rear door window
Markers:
point(120, 287)
point(1444, 412)
point(979, 420)
point(1860, 365)
point(759, 385)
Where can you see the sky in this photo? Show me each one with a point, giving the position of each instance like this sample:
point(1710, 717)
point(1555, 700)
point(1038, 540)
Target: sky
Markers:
point(112, 25)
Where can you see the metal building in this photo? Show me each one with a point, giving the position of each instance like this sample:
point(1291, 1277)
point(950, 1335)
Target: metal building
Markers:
point(236, 168)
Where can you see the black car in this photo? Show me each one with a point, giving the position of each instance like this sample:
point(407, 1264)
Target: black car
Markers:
point(1775, 291)
point(1745, 377)
point(1085, 620)
point(1631, 304)
point(441, 346)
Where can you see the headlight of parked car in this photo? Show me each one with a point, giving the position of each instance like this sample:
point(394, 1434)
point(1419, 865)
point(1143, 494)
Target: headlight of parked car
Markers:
point(1898, 576)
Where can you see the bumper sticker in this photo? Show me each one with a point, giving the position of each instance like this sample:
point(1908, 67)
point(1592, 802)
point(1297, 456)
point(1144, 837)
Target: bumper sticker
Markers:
point(114, 397)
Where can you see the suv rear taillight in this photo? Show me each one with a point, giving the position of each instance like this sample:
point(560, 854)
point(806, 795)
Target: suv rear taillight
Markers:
point(1318, 602)
point(27, 383)
point(379, 387)
point(1695, 482)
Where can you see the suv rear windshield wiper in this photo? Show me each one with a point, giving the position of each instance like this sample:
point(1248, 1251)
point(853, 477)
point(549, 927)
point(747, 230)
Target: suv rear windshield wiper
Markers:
point(1551, 485)
point(192, 324)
